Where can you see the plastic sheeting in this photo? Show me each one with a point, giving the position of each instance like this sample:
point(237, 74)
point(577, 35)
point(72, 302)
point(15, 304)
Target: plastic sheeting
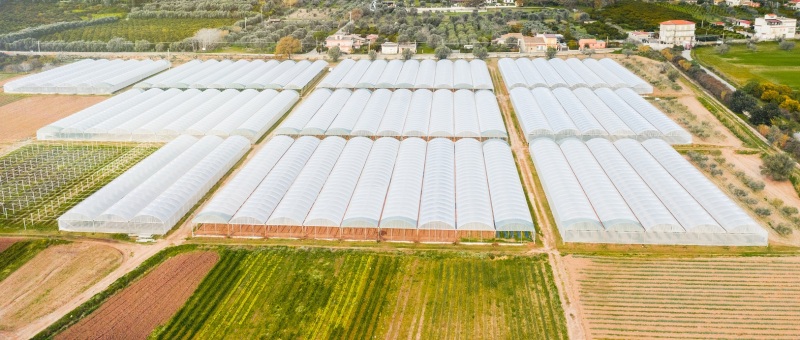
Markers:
point(226, 74)
point(88, 76)
point(409, 74)
point(572, 73)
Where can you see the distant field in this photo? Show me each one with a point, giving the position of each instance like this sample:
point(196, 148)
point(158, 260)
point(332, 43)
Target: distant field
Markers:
point(691, 298)
point(153, 30)
point(18, 14)
point(767, 63)
point(324, 294)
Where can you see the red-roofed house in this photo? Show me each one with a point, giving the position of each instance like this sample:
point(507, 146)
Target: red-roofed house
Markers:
point(677, 32)
point(793, 4)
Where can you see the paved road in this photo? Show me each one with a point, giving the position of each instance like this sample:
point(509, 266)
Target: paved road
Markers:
point(688, 55)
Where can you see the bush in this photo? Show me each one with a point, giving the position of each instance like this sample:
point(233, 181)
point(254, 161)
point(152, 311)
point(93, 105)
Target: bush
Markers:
point(778, 166)
point(763, 212)
point(786, 45)
point(789, 211)
point(334, 53)
point(781, 229)
point(442, 52)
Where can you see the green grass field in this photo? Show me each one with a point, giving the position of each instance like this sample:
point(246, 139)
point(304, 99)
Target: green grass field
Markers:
point(767, 63)
point(21, 252)
point(153, 30)
point(283, 293)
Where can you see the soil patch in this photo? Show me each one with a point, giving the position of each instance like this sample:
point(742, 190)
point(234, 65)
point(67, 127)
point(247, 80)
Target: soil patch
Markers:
point(7, 242)
point(23, 117)
point(137, 310)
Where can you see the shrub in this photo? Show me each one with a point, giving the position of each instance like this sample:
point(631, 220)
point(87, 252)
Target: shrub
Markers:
point(781, 229)
point(789, 211)
point(786, 45)
point(778, 166)
point(764, 212)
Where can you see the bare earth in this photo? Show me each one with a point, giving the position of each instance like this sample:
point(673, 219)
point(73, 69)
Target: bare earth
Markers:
point(22, 118)
point(137, 310)
point(7, 242)
point(50, 279)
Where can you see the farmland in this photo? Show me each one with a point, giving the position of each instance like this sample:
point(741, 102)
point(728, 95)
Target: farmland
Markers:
point(767, 63)
point(15, 253)
point(22, 115)
point(284, 293)
point(152, 30)
point(40, 181)
point(135, 311)
point(656, 297)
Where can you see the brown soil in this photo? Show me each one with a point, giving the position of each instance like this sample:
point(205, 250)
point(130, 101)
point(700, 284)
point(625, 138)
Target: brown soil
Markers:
point(726, 138)
point(137, 310)
point(7, 242)
point(50, 279)
point(21, 119)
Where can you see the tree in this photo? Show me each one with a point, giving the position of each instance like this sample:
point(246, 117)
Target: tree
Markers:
point(627, 52)
point(588, 51)
point(286, 46)
point(480, 52)
point(334, 53)
point(372, 55)
point(786, 45)
point(511, 41)
point(442, 52)
point(407, 54)
point(673, 75)
point(741, 102)
point(142, 46)
point(764, 114)
point(356, 13)
point(723, 49)
point(778, 166)
point(551, 52)
point(208, 37)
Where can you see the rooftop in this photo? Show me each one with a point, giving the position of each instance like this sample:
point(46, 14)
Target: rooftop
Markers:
point(677, 22)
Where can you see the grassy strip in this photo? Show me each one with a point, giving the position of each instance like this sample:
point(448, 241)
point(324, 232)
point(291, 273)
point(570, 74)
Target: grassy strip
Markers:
point(96, 301)
point(21, 252)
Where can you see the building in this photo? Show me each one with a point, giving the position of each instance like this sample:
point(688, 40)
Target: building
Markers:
point(347, 42)
point(591, 44)
point(532, 44)
point(795, 4)
point(395, 48)
point(773, 27)
point(748, 3)
point(503, 38)
point(743, 23)
point(677, 32)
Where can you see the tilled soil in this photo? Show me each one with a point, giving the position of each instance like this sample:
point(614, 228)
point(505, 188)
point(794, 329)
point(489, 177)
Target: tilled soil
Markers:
point(21, 119)
point(137, 310)
point(7, 242)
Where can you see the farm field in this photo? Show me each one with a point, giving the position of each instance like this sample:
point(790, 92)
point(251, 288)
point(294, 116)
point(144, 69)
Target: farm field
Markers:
point(767, 63)
point(134, 312)
point(153, 30)
point(53, 277)
point(316, 293)
point(710, 298)
point(22, 115)
point(39, 181)
point(16, 252)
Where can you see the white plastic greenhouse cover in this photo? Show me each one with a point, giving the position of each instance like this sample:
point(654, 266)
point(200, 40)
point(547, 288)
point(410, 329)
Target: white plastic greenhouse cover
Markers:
point(462, 75)
point(589, 77)
point(473, 204)
point(323, 118)
point(299, 117)
point(673, 133)
point(348, 116)
point(211, 66)
point(350, 80)
point(588, 126)
point(339, 71)
point(532, 77)
point(721, 207)
point(637, 123)
point(549, 74)
point(559, 121)
point(389, 76)
point(444, 74)
point(167, 77)
point(371, 116)
point(601, 71)
point(217, 74)
point(465, 115)
point(395, 116)
point(181, 124)
point(228, 124)
point(531, 118)
point(401, 209)
point(282, 80)
point(437, 207)
point(631, 80)
point(265, 79)
point(332, 202)
point(568, 202)
point(512, 75)
point(298, 200)
point(154, 195)
point(204, 126)
point(306, 76)
point(262, 202)
point(481, 80)
point(366, 204)
point(259, 71)
point(615, 127)
point(226, 80)
point(680, 203)
point(88, 77)
point(611, 208)
point(408, 75)
point(266, 117)
point(426, 74)
point(509, 207)
point(225, 203)
point(566, 73)
point(441, 123)
point(489, 117)
point(50, 130)
point(373, 73)
point(419, 114)
point(150, 130)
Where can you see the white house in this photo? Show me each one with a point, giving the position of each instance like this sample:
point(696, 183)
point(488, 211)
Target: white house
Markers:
point(772, 27)
point(677, 32)
point(395, 48)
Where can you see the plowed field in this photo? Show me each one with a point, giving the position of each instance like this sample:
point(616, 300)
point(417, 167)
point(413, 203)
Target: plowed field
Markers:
point(21, 118)
point(135, 311)
point(7, 242)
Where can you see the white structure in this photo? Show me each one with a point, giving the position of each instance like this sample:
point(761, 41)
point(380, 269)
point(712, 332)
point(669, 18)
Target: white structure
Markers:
point(397, 48)
point(773, 27)
point(586, 114)
point(88, 76)
point(412, 74)
point(151, 197)
point(159, 115)
point(570, 73)
point(677, 32)
point(360, 185)
point(636, 193)
point(242, 74)
point(398, 113)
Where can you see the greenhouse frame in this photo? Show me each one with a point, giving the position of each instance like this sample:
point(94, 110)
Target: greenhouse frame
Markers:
point(400, 113)
point(409, 74)
point(571, 73)
point(152, 196)
point(411, 190)
point(87, 76)
point(157, 115)
point(632, 192)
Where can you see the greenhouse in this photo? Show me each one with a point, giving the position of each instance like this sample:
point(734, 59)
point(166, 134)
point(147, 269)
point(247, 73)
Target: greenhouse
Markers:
point(586, 114)
point(157, 115)
point(88, 76)
point(409, 74)
point(571, 73)
point(155, 194)
point(387, 189)
point(632, 192)
point(241, 74)
point(398, 113)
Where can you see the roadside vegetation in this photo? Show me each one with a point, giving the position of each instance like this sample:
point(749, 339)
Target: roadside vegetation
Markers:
point(20, 252)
